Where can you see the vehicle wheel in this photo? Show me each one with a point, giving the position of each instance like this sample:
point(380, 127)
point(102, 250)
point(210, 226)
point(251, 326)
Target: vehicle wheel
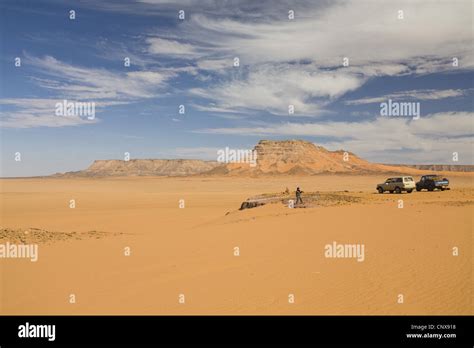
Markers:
point(431, 188)
point(409, 191)
point(442, 189)
point(380, 189)
point(418, 189)
point(398, 190)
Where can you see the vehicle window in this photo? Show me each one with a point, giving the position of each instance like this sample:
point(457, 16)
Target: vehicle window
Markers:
point(408, 179)
point(398, 180)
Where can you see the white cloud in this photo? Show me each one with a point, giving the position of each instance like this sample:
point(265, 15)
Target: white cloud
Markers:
point(95, 84)
point(99, 86)
point(35, 112)
point(283, 62)
point(273, 88)
point(215, 64)
point(426, 94)
point(364, 31)
point(173, 48)
point(292, 61)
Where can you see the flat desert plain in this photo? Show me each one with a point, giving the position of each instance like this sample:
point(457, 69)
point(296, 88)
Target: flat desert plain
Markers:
point(128, 248)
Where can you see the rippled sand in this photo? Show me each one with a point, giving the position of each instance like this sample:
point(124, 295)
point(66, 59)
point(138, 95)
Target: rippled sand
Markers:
point(191, 250)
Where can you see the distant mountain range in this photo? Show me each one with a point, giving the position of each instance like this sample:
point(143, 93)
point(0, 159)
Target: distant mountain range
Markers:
point(287, 157)
point(145, 167)
point(439, 167)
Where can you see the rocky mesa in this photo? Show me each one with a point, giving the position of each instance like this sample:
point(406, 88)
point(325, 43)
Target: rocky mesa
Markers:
point(298, 157)
point(286, 157)
point(145, 167)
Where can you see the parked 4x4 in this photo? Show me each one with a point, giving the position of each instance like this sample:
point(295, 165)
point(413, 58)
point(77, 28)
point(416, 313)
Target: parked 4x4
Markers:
point(397, 185)
point(432, 182)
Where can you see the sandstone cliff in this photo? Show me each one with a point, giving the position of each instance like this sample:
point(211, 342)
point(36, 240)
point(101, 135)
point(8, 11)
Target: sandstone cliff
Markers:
point(145, 167)
point(295, 157)
point(287, 157)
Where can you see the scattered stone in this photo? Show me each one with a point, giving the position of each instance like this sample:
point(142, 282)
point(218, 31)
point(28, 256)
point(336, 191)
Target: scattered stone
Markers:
point(251, 204)
point(310, 199)
point(40, 236)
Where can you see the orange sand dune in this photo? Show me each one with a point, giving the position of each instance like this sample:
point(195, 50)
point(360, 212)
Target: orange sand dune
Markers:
point(190, 250)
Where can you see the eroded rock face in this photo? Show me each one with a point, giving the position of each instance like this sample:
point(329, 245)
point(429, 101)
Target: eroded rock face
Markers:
point(298, 157)
point(287, 157)
point(288, 151)
point(147, 167)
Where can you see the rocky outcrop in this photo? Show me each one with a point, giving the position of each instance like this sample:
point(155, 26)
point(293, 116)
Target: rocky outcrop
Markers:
point(287, 157)
point(146, 167)
point(251, 204)
point(310, 199)
point(298, 157)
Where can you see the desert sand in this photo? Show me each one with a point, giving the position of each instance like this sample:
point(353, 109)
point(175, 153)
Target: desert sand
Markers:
point(190, 250)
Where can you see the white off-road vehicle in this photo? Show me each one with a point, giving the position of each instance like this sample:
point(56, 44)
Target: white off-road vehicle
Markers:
point(397, 185)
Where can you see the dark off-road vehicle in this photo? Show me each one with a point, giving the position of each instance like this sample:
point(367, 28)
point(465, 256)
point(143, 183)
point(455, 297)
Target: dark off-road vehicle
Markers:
point(432, 182)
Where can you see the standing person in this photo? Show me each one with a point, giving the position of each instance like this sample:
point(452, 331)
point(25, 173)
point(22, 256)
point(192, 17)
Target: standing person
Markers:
point(298, 195)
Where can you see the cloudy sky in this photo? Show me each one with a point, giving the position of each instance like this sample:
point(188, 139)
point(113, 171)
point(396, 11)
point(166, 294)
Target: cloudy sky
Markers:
point(335, 62)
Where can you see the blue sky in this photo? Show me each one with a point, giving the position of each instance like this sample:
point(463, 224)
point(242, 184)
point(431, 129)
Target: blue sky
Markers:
point(190, 62)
